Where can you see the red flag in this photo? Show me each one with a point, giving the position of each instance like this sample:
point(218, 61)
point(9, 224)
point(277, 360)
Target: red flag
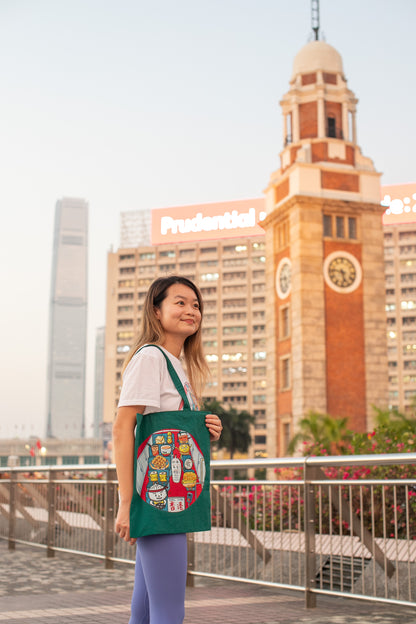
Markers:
point(38, 444)
point(32, 451)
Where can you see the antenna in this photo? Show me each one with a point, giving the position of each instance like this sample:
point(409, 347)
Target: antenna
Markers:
point(315, 18)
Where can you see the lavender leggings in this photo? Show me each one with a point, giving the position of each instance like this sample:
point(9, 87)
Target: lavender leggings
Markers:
point(160, 579)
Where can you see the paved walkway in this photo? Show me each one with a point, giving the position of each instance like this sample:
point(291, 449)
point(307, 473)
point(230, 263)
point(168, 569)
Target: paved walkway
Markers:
point(72, 589)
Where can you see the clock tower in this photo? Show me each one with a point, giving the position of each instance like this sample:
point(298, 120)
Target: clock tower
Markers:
point(325, 264)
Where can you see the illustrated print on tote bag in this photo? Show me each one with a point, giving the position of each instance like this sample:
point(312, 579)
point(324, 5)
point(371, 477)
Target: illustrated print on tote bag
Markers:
point(170, 471)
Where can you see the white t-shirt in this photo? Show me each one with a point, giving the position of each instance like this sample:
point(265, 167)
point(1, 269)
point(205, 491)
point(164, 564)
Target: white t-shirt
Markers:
point(146, 381)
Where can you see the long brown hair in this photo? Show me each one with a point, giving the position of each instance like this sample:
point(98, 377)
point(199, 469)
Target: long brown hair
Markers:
point(151, 331)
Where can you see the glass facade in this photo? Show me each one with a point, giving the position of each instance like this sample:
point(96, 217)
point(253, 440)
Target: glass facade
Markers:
point(68, 321)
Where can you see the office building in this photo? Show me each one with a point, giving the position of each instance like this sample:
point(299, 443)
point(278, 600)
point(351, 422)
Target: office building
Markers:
point(68, 321)
point(221, 248)
point(135, 228)
point(400, 266)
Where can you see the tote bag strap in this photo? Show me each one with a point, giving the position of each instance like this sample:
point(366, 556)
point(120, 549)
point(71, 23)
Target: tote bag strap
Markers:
point(173, 375)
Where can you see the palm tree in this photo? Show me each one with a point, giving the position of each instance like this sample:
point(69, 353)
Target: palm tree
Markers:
point(321, 432)
point(235, 435)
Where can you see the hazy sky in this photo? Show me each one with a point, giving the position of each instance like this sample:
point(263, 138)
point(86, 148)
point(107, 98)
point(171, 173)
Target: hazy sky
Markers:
point(139, 104)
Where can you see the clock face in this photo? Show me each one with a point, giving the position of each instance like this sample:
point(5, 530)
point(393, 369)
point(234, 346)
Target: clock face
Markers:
point(284, 278)
point(342, 271)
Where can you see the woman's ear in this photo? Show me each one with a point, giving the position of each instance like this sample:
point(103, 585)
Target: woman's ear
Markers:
point(157, 312)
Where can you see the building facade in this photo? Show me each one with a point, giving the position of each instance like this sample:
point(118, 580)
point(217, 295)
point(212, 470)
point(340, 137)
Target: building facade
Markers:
point(230, 271)
point(68, 321)
point(400, 267)
point(99, 383)
point(325, 266)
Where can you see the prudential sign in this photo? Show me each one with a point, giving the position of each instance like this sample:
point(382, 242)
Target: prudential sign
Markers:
point(200, 222)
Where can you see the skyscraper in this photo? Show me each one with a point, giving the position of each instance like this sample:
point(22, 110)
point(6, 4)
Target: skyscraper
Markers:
point(99, 382)
point(68, 321)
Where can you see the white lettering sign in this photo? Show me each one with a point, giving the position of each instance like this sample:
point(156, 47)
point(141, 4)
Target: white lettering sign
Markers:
point(199, 223)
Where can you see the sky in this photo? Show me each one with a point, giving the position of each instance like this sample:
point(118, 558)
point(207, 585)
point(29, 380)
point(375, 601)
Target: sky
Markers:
point(134, 104)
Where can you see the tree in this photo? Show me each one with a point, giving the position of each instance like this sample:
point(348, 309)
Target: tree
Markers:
point(321, 434)
point(235, 435)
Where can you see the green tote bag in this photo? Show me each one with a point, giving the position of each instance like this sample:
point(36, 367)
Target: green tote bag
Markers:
point(171, 492)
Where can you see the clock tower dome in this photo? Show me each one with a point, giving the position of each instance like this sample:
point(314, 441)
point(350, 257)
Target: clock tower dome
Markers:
point(325, 265)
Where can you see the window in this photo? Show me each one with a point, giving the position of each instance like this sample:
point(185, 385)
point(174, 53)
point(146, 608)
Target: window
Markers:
point(169, 253)
point(234, 303)
point(234, 357)
point(231, 262)
point(352, 227)
point(241, 275)
point(123, 348)
point(186, 253)
point(125, 335)
point(284, 322)
point(340, 226)
point(126, 257)
point(126, 284)
point(144, 281)
point(235, 370)
point(331, 127)
point(209, 277)
point(327, 225)
point(209, 331)
point(205, 250)
point(235, 329)
point(234, 343)
point(260, 439)
point(127, 270)
point(210, 343)
point(124, 296)
point(149, 255)
point(285, 373)
point(187, 266)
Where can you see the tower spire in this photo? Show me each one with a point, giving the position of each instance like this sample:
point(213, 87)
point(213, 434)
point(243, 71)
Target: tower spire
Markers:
point(315, 18)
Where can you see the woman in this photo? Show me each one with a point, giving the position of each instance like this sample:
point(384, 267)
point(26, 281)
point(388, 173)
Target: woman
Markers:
point(172, 318)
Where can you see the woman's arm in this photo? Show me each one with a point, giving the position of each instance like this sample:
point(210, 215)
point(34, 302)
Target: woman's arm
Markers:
point(123, 441)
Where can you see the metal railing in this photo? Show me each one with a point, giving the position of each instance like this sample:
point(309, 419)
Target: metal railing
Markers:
point(343, 526)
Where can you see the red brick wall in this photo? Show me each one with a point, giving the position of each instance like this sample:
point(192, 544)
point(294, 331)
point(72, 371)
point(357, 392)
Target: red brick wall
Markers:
point(345, 348)
point(281, 190)
point(308, 120)
point(283, 347)
point(329, 78)
point(340, 181)
point(308, 78)
point(319, 152)
point(350, 155)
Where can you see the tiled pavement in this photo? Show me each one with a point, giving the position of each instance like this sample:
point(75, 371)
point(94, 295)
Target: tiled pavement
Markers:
point(72, 589)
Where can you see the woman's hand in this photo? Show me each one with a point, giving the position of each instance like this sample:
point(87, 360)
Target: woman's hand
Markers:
point(123, 523)
point(214, 426)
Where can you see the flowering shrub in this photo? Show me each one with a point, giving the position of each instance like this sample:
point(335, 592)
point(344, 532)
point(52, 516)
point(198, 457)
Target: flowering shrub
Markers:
point(384, 510)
